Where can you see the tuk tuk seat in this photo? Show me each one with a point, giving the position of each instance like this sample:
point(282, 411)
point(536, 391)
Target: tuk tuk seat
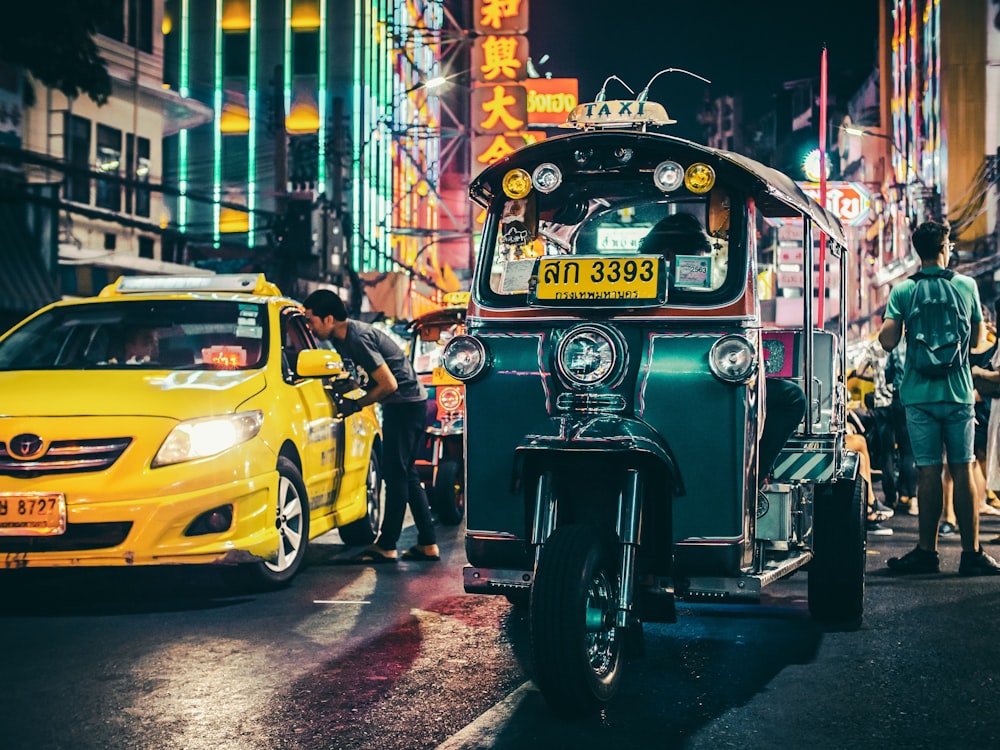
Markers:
point(783, 352)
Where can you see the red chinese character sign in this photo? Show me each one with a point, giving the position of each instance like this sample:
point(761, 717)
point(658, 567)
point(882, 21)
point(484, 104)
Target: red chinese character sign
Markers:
point(501, 16)
point(500, 59)
point(499, 109)
point(488, 149)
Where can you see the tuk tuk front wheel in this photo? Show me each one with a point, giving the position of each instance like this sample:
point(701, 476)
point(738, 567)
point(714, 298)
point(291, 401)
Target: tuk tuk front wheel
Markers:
point(576, 647)
point(840, 541)
point(448, 496)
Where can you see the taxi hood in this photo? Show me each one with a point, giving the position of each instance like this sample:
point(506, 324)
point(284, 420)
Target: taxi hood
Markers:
point(180, 395)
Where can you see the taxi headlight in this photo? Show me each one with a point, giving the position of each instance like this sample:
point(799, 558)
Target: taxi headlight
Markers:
point(201, 438)
point(546, 177)
point(668, 176)
point(732, 359)
point(587, 356)
point(464, 357)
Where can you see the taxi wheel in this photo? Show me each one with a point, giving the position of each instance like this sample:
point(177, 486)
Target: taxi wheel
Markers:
point(363, 531)
point(840, 541)
point(448, 493)
point(576, 647)
point(292, 522)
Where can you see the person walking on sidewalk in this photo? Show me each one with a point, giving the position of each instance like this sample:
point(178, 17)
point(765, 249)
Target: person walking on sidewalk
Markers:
point(394, 384)
point(938, 311)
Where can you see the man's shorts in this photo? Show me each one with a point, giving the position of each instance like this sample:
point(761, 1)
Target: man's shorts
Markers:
point(941, 429)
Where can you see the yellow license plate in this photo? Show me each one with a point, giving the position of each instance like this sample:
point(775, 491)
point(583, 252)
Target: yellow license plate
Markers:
point(440, 376)
point(607, 278)
point(32, 514)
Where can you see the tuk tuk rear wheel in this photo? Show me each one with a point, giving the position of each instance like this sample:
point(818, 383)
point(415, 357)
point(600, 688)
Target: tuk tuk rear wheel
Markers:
point(576, 647)
point(840, 541)
point(448, 495)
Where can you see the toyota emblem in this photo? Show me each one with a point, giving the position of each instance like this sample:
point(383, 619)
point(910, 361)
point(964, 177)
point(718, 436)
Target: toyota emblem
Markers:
point(25, 446)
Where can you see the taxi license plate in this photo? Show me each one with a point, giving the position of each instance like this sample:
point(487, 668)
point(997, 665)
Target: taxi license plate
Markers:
point(32, 514)
point(615, 279)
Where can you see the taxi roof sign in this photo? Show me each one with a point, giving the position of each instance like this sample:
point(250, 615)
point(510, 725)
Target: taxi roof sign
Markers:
point(618, 113)
point(248, 283)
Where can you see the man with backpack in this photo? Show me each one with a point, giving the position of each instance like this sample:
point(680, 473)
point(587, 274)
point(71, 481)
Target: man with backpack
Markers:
point(939, 312)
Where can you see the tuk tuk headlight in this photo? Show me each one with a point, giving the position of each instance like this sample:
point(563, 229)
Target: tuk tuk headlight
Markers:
point(546, 177)
point(668, 176)
point(588, 355)
point(732, 359)
point(464, 357)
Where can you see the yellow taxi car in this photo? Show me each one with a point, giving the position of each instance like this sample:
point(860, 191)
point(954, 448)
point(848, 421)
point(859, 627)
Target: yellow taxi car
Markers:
point(180, 420)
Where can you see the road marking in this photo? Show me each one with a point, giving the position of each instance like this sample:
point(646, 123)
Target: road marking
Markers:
point(337, 601)
point(484, 730)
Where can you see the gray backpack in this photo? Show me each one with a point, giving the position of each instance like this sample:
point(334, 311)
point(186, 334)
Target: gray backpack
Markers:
point(938, 327)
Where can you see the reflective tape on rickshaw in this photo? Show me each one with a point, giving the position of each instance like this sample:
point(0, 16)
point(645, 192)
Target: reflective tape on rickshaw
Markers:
point(817, 466)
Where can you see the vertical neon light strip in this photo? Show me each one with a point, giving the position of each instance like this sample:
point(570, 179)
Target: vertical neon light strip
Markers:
point(287, 73)
point(217, 129)
point(322, 134)
point(252, 134)
point(356, 141)
point(182, 140)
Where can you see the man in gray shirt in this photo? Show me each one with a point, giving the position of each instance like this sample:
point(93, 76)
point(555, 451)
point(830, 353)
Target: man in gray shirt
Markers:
point(394, 384)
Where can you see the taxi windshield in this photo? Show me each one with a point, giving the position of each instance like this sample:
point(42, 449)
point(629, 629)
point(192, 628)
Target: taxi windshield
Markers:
point(158, 334)
point(692, 233)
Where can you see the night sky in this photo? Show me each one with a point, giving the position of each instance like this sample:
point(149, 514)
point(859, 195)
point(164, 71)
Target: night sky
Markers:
point(747, 48)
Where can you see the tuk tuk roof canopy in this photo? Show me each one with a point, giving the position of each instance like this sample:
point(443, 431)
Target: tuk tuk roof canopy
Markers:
point(776, 194)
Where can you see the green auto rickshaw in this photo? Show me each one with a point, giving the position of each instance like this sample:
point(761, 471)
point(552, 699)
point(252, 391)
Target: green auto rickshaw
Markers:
point(618, 365)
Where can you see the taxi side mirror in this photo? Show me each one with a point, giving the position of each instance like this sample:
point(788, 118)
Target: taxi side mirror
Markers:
point(320, 363)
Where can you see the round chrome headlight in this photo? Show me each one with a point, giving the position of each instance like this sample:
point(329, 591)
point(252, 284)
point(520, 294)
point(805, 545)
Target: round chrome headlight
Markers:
point(546, 177)
point(588, 356)
point(464, 357)
point(668, 176)
point(732, 359)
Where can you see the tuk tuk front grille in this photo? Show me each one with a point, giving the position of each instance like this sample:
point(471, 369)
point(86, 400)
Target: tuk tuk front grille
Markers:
point(590, 402)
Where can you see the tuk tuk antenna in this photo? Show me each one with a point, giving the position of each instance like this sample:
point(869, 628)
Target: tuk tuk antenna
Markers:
point(644, 94)
point(601, 96)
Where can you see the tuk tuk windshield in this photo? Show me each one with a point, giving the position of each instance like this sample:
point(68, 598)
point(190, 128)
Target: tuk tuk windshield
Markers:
point(692, 233)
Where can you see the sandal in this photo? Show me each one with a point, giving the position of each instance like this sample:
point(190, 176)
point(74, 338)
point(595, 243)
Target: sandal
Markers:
point(373, 556)
point(415, 553)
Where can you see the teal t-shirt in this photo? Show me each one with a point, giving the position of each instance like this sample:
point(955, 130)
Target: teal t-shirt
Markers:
point(957, 386)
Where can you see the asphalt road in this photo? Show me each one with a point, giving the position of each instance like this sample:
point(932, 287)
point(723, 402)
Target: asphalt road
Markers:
point(393, 657)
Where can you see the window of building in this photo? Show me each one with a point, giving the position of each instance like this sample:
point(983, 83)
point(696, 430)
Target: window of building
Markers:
point(236, 54)
point(235, 160)
point(146, 246)
point(305, 53)
point(140, 163)
point(109, 162)
point(78, 157)
point(132, 24)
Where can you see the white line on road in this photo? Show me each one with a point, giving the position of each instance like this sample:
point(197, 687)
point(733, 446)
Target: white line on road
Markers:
point(337, 601)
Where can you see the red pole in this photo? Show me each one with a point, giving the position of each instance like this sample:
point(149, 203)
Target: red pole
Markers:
point(822, 187)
